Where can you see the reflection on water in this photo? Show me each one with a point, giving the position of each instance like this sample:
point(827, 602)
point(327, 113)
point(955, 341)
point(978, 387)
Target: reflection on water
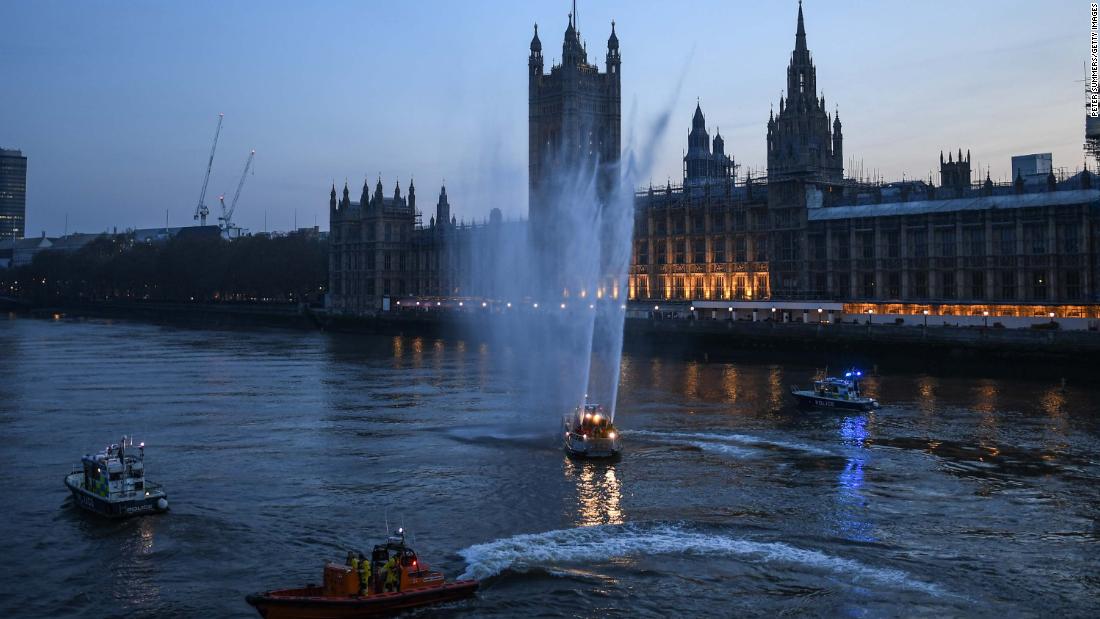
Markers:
point(134, 577)
point(731, 383)
point(851, 512)
point(599, 492)
point(691, 380)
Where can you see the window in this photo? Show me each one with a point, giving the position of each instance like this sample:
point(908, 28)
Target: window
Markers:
point(387, 260)
point(842, 249)
point(662, 253)
point(1070, 236)
point(945, 242)
point(699, 250)
point(817, 247)
point(868, 285)
point(389, 233)
point(867, 244)
point(893, 285)
point(678, 224)
point(370, 260)
point(1038, 286)
point(642, 254)
point(718, 247)
point(1008, 285)
point(662, 226)
point(918, 243)
point(761, 247)
point(679, 251)
point(718, 222)
point(947, 288)
point(740, 254)
point(1006, 241)
point(697, 226)
point(920, 285)
point(739, 220)
point(893, 244)
point(700, 290)
point(642, 226)
point(977, 285)
point(1072, 281)
point(974, 241)
point(1035, 238)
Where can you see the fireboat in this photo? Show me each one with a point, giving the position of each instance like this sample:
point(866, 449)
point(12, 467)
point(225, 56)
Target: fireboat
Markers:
point(589, 433)
point(112, 483)
point(833, 392)
point(397, 580)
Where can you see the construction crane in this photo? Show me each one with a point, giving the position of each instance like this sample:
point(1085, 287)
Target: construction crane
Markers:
point(201, 211)
point(226, 218)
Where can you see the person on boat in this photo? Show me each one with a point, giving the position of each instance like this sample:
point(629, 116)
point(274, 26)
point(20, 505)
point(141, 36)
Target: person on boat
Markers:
point(389, 570)
point(364, 574)
point(351, 559)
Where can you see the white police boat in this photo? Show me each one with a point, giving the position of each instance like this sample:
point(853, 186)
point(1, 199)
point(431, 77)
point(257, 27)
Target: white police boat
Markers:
point(833, 392)
point(112, 482)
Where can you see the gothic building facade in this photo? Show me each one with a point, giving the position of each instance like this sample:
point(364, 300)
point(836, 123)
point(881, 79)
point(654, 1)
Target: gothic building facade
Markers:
point(802, 232)
point(807, 233)
point(574, 124)
point(379, 249)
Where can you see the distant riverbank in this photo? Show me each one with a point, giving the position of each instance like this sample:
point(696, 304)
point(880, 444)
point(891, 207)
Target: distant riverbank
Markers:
point(686, 338)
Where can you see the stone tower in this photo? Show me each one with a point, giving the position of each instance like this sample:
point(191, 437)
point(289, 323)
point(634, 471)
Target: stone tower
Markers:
point(803, 142)
point(703, 166)
point(574, 117)
point(955, 173)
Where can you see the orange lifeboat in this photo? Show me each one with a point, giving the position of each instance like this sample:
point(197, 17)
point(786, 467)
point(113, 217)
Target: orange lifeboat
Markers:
point(343, 596)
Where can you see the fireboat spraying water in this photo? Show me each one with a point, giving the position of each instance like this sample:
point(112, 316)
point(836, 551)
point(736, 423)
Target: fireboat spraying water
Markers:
point(590, 433)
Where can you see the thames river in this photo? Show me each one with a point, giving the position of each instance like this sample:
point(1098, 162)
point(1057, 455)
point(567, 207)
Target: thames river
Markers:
point(281, 449)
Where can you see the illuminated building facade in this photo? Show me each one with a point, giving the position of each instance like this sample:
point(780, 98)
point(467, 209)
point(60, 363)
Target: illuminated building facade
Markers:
point(808, 233)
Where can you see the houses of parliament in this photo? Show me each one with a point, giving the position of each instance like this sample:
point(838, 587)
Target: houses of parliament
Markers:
point(802, 232)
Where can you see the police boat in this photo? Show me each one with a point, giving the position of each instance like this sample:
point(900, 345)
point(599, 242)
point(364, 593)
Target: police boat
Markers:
point(833, 392)
point(394, 580)
point(589, 433)
point(112, 482)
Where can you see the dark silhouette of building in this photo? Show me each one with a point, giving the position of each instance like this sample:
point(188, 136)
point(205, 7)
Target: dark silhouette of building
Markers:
point(955, 174)
point(800, 142)
point(703, 166)
point(574, 121)
point(13, 194)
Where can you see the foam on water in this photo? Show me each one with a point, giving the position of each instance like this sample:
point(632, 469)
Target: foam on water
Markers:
point(603, 542)
point(742, 439)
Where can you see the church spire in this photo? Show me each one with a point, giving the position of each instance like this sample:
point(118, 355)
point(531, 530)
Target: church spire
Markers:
point(800, 34)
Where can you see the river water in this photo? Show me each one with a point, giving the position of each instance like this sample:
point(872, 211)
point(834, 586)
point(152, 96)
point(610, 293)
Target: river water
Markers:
point(279, 449)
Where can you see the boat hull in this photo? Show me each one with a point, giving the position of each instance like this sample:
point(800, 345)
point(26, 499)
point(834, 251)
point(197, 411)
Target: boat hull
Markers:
point(118, 508)
point(311, 603)
point(807, 399)
point(601, 448)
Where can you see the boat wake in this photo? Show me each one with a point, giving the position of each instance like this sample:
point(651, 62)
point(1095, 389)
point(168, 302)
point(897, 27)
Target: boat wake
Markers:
point(539, 550)
point(727, 443)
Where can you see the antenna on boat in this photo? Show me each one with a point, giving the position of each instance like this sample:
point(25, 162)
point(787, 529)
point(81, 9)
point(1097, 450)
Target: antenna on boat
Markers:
point(387, 514)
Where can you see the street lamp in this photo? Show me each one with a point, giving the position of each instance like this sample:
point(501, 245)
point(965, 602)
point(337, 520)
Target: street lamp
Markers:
point(925, 312)
point(985, 319)
point(870, 316)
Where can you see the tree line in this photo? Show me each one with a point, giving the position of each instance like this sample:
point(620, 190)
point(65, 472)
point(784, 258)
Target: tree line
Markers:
point(291, 268)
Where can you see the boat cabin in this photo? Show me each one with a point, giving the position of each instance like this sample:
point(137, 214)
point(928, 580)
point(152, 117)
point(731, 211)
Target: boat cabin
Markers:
point(114, 471)
point(837, 388)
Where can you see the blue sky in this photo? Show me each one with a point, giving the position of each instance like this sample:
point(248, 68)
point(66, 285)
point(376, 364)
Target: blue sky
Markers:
point(115, 103)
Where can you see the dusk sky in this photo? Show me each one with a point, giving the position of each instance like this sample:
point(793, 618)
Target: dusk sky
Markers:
point(115, 103)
